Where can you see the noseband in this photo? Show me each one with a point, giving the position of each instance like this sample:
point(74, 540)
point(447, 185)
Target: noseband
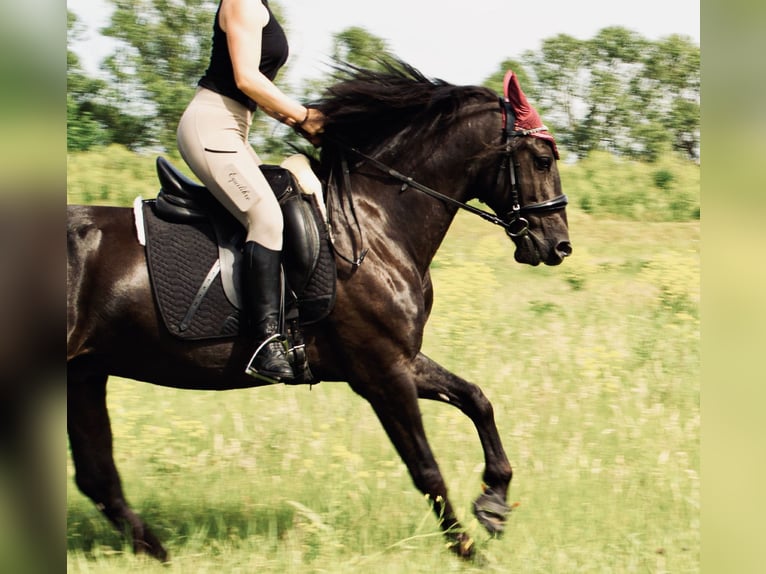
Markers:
point(514, 223)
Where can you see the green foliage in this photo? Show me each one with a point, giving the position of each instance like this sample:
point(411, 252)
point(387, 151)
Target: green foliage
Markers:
point(618, 92)
point(601, 185)
point(165, 50)
point(663, 178)
point(360, 47)
point(555, 89)
point(113, 176)
point(96, 112)
point(605, 185)
point(83, 132)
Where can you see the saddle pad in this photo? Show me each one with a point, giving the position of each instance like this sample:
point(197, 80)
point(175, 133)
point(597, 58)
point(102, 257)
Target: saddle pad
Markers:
point(180, 258)
point(183, 261)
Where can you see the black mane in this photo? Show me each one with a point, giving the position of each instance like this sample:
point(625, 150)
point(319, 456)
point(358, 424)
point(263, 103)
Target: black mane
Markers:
point(371, 109)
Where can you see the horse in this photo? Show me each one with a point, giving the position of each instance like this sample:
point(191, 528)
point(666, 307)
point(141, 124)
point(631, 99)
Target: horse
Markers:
point(393, 137)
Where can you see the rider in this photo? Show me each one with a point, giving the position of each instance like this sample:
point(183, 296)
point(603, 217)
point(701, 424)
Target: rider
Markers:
point(249, 48)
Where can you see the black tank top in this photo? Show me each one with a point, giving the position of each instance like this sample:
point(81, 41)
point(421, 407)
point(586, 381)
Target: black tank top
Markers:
point(219, 76)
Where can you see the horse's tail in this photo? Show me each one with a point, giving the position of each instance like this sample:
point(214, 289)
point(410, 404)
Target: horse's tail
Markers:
point(83, 237)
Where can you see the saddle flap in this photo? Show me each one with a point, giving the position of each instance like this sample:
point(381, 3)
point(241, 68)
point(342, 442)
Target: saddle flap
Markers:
point(301, 251)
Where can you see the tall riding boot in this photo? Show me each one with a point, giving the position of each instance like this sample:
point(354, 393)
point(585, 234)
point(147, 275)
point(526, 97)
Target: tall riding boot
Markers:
point(262, 296)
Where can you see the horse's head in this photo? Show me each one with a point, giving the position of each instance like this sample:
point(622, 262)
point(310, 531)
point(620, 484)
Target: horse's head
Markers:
point(527, 194)
point(447, 136)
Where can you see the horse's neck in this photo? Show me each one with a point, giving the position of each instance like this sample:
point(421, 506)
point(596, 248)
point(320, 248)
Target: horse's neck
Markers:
point(408, 220)
point(407, 217)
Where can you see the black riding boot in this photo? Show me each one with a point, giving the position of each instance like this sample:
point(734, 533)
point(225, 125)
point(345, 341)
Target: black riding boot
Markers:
point(262, 301)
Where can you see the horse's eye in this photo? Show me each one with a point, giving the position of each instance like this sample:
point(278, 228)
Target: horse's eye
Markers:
point(543, 163)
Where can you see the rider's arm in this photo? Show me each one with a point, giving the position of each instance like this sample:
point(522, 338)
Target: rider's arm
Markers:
point(243, 22)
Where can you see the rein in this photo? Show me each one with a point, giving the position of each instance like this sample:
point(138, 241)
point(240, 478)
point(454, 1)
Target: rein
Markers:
point(409, 182)
point(515, 225)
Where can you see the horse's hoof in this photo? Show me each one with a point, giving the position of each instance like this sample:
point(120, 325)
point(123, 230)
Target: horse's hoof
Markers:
point(150, 546)
point(462, 545)
point(492, 512)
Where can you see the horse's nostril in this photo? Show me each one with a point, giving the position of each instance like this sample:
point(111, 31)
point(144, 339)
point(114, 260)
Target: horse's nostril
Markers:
point(564, 248)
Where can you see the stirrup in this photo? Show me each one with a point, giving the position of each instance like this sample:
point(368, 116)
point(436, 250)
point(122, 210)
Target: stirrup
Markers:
point(255, 373)
point(252, 372)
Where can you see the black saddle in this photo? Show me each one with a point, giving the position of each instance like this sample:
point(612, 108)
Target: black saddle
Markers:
point(194, 250)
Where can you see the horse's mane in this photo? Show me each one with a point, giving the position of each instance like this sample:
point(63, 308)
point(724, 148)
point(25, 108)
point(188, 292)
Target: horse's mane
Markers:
point(370, 109)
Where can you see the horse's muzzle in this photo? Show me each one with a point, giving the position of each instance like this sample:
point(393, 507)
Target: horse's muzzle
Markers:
point(534, 252)
point(563, 250)
point(558, 253)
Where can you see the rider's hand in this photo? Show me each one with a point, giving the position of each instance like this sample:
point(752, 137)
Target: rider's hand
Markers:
point(312, 126)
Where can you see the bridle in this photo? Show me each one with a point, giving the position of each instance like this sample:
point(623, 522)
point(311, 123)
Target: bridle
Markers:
point(514, 223)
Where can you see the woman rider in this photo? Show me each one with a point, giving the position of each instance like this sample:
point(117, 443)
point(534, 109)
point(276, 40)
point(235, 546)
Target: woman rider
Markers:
point(249, 48)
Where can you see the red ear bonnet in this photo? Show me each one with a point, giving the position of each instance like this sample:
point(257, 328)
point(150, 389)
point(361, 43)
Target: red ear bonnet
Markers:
point(526, 116)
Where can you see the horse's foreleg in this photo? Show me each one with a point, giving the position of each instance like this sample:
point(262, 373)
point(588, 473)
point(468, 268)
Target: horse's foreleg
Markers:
point(398, 411)
point(436, 383)
point(90, 438)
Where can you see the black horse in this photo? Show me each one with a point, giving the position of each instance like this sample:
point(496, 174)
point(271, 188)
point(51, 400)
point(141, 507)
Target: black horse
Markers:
point(458, 140)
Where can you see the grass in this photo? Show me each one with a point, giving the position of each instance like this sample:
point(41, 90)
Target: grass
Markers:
point(593, 370)
point(609, 186)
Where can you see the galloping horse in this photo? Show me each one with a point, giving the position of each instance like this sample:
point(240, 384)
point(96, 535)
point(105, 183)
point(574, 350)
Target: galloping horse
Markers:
point(458, 140)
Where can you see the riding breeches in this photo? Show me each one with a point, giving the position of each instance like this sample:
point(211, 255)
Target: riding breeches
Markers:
point(212, 138)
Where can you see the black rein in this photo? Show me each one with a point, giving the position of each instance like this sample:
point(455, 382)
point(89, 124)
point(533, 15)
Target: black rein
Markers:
point(515, 225)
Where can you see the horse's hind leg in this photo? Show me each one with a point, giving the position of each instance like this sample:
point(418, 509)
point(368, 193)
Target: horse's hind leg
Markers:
point(436, 383)
point(90, 438)
point(395, 403)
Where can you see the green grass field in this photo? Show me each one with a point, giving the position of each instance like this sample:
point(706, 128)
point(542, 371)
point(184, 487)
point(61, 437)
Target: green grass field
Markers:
point(593, 369)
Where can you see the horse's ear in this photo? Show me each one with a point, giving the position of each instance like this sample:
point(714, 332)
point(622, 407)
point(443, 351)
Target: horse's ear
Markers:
point(506, 83)
point(526, 115)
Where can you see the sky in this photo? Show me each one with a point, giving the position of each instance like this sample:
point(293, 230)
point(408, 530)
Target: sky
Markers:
point(462, 44)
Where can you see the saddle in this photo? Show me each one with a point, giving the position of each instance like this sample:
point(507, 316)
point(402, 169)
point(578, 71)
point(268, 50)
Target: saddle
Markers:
point(194, 254)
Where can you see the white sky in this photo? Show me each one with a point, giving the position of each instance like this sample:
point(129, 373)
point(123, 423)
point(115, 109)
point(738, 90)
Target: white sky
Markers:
point(461, 46)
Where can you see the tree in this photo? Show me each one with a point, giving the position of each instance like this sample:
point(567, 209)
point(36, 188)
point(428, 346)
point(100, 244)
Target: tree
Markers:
point(166, 50)
point(495, 81)
point(672, 84)
point(685, 126)
point(83, 131)
point(612, 61)
point(617, 91)
point(95, 110)
point(361, 48)
point(557, 87)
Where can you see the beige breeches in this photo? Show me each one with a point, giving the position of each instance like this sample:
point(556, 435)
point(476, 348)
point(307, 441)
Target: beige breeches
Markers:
point(212, 139)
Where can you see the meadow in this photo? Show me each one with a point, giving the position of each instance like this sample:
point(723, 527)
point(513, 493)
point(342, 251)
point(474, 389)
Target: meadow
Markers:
point(593, 370)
